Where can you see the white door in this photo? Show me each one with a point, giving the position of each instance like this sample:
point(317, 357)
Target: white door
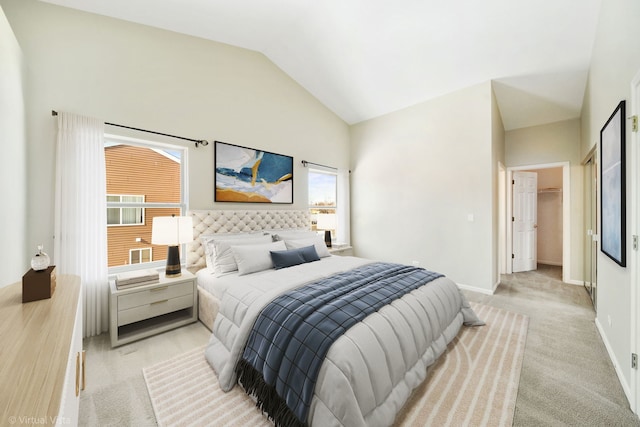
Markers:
point(525, 214)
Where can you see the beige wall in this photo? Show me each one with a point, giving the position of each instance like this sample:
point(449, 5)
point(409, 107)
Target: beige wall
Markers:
point(13, 161)
point(159, 80)
point(418, 174)
point(548, 144)
point(614, 64)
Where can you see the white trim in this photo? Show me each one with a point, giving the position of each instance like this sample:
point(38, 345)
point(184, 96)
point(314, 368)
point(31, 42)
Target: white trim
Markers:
point(566, 214)
point(625, 386)
point(503, 224)
point(479, 290)
point(119, 139)
point(634, 297)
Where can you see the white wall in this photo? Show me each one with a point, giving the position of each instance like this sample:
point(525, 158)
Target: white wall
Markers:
point(614, 63)
point(417, 175)
point(13, 161)
point(159, 80)
point(553, 143)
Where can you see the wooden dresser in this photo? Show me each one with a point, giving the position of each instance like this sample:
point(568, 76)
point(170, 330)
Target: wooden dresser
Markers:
point(41, 357)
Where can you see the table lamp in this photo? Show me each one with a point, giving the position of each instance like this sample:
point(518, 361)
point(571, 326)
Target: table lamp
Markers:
point(172, 231)
point(326, 222)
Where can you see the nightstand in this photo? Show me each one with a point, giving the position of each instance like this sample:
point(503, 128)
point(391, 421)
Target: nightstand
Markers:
point(341, 250)
point(142, 311)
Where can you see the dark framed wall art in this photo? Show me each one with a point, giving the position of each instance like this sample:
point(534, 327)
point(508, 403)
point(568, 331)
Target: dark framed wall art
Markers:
point(247, 175)
point(612, 187)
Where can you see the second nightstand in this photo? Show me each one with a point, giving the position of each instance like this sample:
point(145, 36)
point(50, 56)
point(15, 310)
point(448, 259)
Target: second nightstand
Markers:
point(342, 250)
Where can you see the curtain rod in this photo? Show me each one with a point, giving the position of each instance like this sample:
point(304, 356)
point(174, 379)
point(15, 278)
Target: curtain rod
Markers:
point(305, 163)
point(202, 142)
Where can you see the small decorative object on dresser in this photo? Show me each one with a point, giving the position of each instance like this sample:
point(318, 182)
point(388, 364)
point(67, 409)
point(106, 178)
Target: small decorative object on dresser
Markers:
point(37, 285)
point(141, 311)
point(40, 260)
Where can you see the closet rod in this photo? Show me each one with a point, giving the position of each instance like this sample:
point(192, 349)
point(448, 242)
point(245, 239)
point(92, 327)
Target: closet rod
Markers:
point(202, 142)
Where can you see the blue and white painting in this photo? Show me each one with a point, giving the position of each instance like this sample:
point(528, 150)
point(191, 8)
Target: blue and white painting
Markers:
point(613, 187)
point(247, 175)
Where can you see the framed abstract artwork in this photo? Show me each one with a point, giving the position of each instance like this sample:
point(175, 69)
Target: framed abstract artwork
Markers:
point(612, 187)
point(248, 175)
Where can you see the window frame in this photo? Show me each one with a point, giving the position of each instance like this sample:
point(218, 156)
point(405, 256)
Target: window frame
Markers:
point(120, 224)
point(132, 250)
point(159, 147)
point(334, 207)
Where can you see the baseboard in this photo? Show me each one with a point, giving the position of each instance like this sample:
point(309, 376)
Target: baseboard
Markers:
point(575, 282)
point(625, 387)
point(554, 263)
point(474, 289)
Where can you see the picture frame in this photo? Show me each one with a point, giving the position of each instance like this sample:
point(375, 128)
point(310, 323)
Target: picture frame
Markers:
point(613, 187)
point(249, 175)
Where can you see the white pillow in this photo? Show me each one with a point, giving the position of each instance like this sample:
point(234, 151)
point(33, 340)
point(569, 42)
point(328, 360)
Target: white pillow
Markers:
point(254, 258)
point(222, 259)
point(317, 241)
point(293, 234)
point(205, 239)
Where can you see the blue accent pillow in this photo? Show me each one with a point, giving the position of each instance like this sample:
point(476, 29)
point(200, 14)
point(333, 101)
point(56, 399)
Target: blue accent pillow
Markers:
point(284, 259)
point(309, 253)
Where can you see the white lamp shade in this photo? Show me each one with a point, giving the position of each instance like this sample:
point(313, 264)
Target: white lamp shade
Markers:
point(171, 230)
point(326, 222)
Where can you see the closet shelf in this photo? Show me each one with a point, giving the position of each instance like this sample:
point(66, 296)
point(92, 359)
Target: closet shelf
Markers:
point(550, 190)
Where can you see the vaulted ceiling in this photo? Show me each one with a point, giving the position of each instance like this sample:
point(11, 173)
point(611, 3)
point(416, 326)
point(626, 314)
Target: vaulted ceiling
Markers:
point(366, 58)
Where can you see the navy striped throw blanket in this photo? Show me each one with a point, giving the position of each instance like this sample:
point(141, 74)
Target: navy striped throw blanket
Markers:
point(293, 333)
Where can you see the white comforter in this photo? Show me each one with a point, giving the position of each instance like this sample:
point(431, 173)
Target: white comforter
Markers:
point(370, 371)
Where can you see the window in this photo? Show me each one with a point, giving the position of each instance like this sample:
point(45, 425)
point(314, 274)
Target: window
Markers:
point(323, 189)
point(137, 256)
point(145, 179)
point(125, 216)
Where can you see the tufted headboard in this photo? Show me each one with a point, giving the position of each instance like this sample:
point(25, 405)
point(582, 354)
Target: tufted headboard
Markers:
point(228, 221)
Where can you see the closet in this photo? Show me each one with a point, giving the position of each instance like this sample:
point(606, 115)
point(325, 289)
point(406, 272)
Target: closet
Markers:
point(549, 248)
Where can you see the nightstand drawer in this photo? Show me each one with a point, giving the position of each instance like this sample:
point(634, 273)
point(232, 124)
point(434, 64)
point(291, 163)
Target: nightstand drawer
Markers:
point(148, 296)
point(153, 309)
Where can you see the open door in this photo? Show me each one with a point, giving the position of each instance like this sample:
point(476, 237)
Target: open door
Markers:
point(525, 213)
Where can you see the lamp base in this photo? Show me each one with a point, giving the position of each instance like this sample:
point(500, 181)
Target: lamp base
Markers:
point(327, 238)
point(173, 262)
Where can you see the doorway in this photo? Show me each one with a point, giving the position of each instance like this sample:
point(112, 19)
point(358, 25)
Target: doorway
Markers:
point(558, 194)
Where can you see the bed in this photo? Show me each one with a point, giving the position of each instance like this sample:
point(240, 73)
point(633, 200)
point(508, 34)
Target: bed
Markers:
point(366, 373)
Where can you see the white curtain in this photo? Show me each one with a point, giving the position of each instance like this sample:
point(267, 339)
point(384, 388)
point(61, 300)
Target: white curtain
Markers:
point(344, 213)
point(80, 241)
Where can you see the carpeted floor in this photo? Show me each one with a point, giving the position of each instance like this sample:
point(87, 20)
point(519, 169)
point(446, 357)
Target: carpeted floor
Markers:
point(567, 378)
point(474, 383)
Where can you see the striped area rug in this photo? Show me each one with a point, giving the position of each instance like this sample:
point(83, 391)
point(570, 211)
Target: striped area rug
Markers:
point(475, 383)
